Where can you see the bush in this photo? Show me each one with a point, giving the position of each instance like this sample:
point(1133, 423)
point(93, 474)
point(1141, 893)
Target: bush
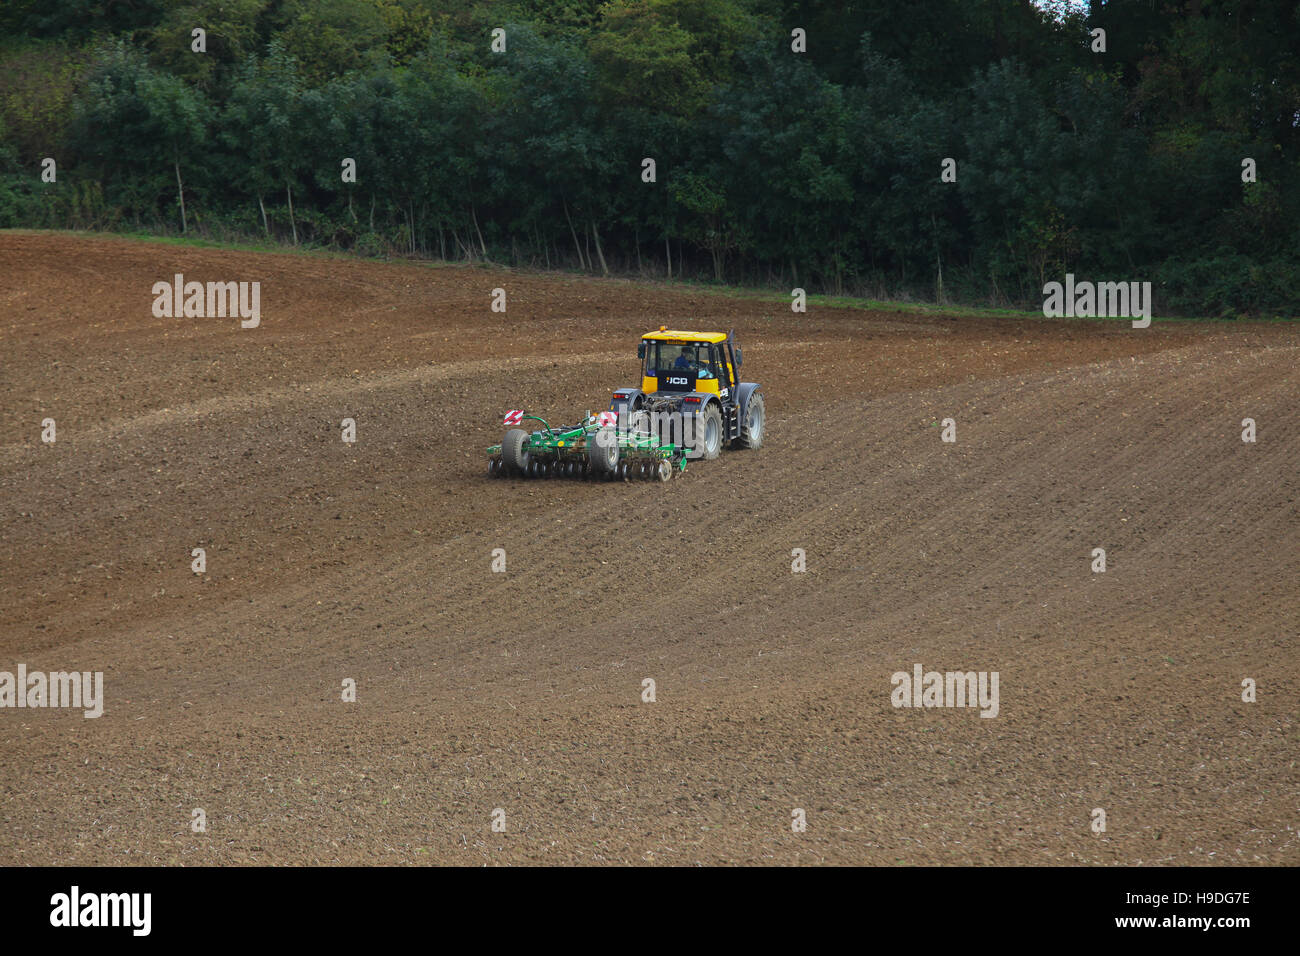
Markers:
point(1230, 286)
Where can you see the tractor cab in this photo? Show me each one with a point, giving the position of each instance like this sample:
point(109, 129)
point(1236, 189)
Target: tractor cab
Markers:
point(687, 362)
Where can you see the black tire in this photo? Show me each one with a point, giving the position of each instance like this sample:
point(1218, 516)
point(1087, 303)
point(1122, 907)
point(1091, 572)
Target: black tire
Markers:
point(754, 427)
point(514, 451)
point(708, 438)
point(602, 451)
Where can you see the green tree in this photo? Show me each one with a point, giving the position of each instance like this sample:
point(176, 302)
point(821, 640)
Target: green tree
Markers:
point(260, 132)
point(328, 38)
point(674, 51)
point(135, 122)
point(231, 36)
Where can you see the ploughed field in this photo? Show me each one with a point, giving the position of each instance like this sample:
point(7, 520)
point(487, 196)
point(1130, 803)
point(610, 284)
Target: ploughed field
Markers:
point(522, 691)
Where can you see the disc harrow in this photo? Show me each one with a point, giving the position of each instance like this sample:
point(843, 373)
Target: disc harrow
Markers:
point(595, 450)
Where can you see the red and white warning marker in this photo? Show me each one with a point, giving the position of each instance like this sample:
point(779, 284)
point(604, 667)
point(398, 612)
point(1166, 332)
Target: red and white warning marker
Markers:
point(607, 419)
point(513, 417)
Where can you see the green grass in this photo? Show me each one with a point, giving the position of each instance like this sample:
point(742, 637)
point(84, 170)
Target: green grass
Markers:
point(844, 301)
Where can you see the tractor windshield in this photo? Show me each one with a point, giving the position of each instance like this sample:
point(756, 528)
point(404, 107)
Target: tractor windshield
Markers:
point(666, 357)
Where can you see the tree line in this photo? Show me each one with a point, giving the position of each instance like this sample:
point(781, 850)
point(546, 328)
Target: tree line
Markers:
point(954, 150)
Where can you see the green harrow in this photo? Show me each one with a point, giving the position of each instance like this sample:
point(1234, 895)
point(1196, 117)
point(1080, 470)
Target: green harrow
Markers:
point(593, 449)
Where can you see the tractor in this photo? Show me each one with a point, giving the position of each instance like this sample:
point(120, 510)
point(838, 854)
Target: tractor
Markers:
point(691, 402)
point(691, 392)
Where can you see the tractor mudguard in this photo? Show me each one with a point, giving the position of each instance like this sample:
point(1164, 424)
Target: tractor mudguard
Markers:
point(743, 391)
point(632, 398)
point(705, 399)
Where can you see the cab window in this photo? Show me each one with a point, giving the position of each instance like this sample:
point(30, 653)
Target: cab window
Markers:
point(666, 357)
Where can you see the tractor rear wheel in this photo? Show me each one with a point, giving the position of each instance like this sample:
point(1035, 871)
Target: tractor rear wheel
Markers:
point(755, 423)
point(514, 451)
point(709, 439)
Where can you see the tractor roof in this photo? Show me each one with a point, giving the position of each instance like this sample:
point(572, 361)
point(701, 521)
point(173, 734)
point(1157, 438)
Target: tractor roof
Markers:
point(666, 335)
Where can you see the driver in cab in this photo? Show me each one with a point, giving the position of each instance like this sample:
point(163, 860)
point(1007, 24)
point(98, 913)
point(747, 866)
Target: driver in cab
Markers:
point(686, 360)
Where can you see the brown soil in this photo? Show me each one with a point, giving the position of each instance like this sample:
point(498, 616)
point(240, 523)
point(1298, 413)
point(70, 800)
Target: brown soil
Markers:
point(522, 691)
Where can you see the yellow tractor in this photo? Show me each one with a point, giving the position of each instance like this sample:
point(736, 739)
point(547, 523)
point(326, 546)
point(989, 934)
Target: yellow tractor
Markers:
point(691, 393)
